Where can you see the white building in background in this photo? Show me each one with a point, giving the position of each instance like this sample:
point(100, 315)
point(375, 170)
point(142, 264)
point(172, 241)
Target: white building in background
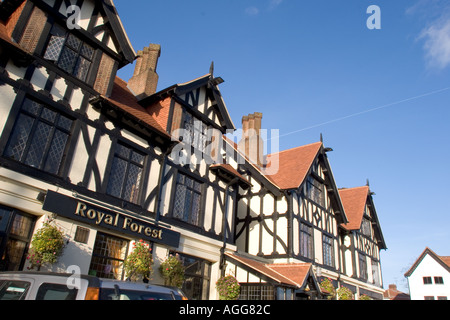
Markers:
point(429, 277)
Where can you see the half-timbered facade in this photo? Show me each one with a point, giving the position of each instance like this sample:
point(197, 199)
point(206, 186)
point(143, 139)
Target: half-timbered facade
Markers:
point(295, 214)
point(100, 156)
point(112, 161)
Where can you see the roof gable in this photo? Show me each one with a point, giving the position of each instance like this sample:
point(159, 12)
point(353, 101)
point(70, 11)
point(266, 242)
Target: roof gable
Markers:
point(292, 166)
point(201, 95)
point(444, 261)
point(119, 38)
point(354, 202)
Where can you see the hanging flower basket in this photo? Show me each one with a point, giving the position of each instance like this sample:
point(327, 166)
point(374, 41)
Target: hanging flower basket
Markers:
point(138, 264)
point(228, 288)
point(327, 286)
point(47, 246)
point(172, 270)
point(344, 293)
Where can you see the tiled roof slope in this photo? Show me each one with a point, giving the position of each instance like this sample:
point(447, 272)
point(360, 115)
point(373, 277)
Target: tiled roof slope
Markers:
point(354, 201)
point(293, 165)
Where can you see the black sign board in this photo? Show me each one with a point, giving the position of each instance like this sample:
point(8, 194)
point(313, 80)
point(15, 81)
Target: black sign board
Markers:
point(86, 212)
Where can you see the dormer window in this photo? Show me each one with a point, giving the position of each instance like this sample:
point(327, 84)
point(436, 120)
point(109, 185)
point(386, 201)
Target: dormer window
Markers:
point(69, 53)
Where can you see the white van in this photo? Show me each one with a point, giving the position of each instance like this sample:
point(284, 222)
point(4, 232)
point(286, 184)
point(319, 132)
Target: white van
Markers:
point(60, 286)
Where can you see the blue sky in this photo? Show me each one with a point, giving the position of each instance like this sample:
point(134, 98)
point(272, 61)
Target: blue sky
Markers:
point(379, 97)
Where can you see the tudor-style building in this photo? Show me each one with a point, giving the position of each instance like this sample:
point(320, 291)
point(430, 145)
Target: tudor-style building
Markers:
point(111, 161)
point(95, 154)
point(295, 216)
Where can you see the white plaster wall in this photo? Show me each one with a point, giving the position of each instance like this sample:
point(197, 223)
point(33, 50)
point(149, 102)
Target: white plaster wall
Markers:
point(429, 268)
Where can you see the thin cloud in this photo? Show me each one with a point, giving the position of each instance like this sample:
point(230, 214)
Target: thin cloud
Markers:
point(437, 43)
point(252, 11)
point(274, 3)
point(436, 34)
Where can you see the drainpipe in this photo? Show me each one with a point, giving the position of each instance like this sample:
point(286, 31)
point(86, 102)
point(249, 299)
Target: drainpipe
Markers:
point(224, 225)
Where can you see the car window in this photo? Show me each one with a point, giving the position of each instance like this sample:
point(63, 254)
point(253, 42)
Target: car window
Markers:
point(53, 291)
point(13, 290)
point(112, 294)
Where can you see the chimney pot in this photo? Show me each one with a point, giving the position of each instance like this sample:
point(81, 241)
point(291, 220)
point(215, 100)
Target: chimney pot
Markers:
point(144, 81)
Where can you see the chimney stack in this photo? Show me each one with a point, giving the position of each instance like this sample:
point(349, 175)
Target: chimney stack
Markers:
point(251, 143)
point(144, 81)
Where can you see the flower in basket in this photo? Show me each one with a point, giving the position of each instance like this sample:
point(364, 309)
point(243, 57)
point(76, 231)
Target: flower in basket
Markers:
point(172, 270)
point(344, 293)
point(47, 246)
point(138, 263)
point(228, 288)
point(327, 286)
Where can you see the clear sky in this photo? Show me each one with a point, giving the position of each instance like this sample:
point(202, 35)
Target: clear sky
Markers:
point(380, 97)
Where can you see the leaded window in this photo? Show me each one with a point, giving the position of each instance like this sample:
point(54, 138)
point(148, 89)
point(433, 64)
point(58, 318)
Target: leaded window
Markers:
point(362, 266)
point(306, 241)
point(69, 53)
point(328, 251)
point(187, 200)
point(126, 173)
point(315, 191)
point(108, 256)
point(257, 292)
point(196, 132)
point(39, 137)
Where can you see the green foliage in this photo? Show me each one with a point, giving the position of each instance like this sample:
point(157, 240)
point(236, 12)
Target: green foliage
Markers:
point(139, 262)
point(46, 246)
point(172, 270)
point(327, 286)
point(365, 297)
point(228, 288)
point(344, 293)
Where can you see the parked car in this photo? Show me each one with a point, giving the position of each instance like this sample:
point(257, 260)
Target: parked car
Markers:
point(61, 286)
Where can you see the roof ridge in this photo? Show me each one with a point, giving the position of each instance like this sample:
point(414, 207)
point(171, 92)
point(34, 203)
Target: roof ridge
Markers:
point(292, 149)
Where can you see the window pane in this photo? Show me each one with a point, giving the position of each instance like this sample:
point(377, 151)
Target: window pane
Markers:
point(87, 51)
point(117, 177)
point(37, 146)
point(65, 123)
point(180, 195)
point(19, 137)
point(32, 107)
point(82, 68)
point(54, 48)
point(56, 152)
point(73, 42)
point(13, 290)
point(132, 183)
point(48, 115)
point(67, 60)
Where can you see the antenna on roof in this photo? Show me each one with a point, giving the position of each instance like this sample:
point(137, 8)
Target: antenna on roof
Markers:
point(367, 183)
point(321, 137)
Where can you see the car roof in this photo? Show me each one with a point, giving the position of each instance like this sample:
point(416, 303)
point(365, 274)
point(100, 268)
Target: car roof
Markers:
point(128, 285)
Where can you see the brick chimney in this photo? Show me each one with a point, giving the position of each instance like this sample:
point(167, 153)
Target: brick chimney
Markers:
point(251, 143)
point(144, 81)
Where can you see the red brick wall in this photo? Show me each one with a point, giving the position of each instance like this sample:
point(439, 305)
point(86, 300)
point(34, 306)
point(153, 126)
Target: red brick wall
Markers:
point(33, 30)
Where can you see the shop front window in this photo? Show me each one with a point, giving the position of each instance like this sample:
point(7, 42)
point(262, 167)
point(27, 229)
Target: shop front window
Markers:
point(108, 256)
point(16, 229)
point(197, 277)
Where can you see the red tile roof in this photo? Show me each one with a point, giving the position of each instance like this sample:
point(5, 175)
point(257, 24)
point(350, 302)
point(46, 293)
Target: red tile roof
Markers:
point(354, 202)
point(124, 99)
point(291, 166)
point(393, 294)
point(292, 274)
